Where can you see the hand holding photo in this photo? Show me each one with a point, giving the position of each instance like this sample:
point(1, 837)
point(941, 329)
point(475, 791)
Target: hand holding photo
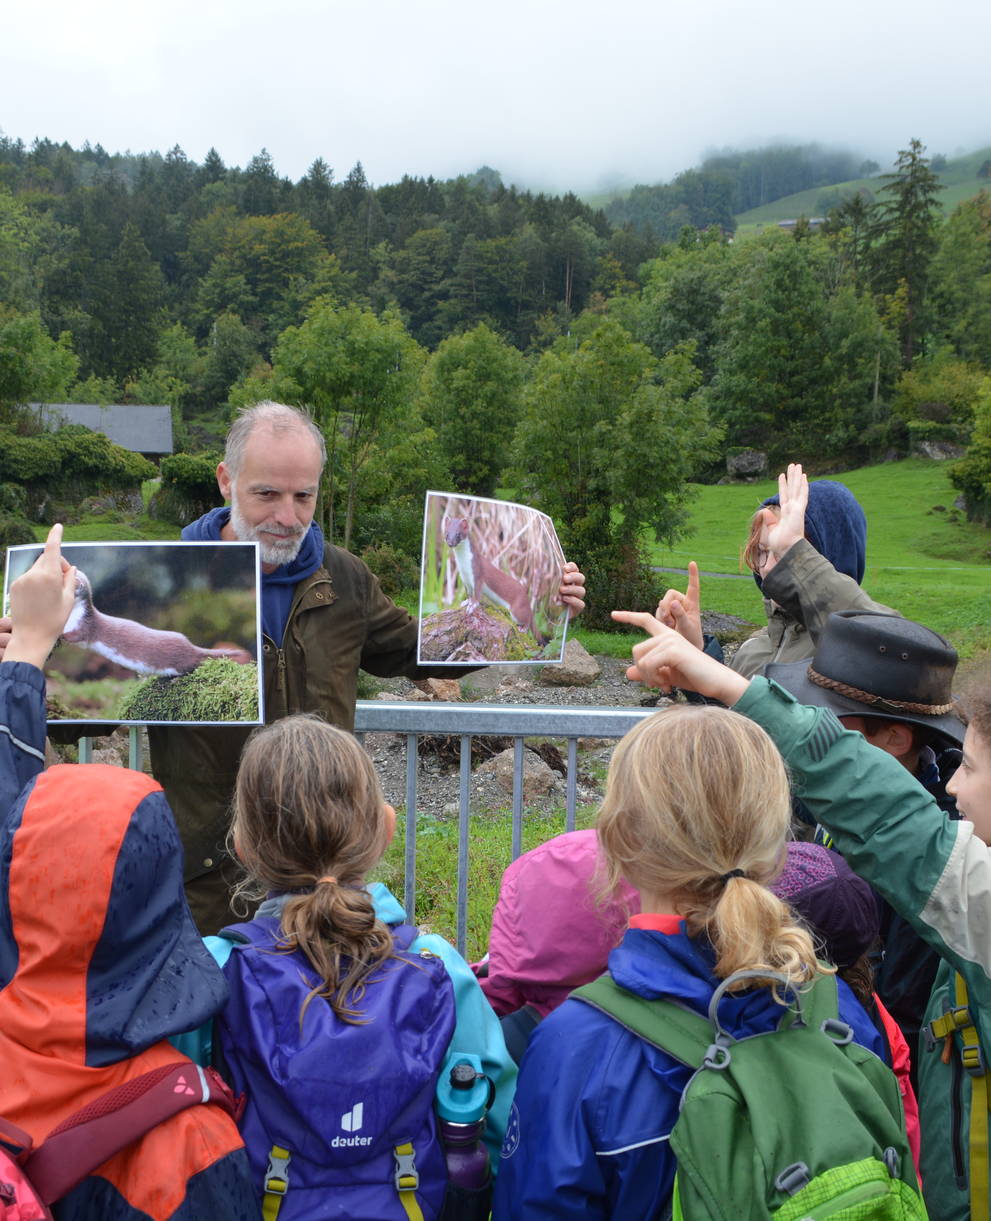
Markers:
point(490, 581)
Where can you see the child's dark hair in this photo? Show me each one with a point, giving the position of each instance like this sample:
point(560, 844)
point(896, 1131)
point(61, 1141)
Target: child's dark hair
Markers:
point(310, 821)
point(977, 711)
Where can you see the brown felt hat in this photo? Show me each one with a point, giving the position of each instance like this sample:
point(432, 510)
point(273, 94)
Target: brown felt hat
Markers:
point(871, 664)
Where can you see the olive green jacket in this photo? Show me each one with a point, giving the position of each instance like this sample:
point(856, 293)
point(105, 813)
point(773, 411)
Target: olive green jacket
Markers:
point(801, 591)
point(934, 872)
point(339, 621)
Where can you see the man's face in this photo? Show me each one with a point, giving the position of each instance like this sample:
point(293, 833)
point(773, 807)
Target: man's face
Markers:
point(275, 492)
point(970, 784)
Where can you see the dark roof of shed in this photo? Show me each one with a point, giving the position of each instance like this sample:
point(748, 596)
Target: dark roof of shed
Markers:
point(144, 428)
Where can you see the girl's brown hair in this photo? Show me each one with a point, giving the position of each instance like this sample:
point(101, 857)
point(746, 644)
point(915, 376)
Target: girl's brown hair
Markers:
point(751, 548)
point(309, 820)
point(694, 794)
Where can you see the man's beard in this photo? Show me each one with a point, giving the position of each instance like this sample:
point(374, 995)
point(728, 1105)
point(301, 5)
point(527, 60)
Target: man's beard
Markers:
point(275, 553)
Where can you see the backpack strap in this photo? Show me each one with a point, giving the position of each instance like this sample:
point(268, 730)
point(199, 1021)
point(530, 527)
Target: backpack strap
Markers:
point(276, 1182)
point(958, 1020)
point(818, 1002)
point(665, 1025)
point(685, 1035)
point(407, 1180)
point(115, 1120)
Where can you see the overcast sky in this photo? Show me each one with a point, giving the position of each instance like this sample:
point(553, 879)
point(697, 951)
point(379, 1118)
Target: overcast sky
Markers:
point(555, 93)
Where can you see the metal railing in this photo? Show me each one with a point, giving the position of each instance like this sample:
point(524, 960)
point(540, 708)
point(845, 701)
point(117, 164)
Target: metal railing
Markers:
point(467, 721)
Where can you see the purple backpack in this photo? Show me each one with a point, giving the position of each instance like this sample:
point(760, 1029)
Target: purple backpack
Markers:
point(339, 1118)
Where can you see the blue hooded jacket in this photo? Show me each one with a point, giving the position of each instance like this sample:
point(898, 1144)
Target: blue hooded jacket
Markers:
point(595, 1104)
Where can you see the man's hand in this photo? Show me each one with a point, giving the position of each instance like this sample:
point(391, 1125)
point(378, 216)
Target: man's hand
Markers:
point(40, 602)
point(666, 659)
point(682, 611)
point(572, 590)
point(784, 529)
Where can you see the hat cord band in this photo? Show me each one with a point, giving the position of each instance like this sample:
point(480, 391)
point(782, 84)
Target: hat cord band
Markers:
point(865, 697)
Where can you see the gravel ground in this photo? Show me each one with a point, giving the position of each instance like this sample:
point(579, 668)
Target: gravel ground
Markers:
point(438, 777)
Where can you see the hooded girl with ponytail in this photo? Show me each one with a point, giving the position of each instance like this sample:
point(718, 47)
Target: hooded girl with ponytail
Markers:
point(341, 1015)
point(695, 817)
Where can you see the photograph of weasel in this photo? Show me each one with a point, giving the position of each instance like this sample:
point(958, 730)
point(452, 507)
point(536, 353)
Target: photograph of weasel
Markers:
point(163, 632)
point(490, 582)
point(482, 579)
point(145, 650)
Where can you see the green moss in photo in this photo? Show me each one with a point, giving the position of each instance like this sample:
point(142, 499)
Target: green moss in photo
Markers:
point(217, 690)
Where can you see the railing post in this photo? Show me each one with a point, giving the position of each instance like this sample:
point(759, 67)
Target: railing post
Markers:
point(409, 864)
point(463, 828)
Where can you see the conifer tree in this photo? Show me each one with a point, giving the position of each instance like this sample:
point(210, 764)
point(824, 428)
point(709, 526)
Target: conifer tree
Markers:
point(905, 236)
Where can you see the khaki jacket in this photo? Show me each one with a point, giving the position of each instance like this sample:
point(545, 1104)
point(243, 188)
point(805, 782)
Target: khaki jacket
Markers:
point(801, 591)
point(340, 621)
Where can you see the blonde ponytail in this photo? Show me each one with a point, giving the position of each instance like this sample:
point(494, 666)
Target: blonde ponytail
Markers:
point(697, 808)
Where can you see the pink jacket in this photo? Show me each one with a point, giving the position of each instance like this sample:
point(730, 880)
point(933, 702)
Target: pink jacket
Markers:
point(549, 932)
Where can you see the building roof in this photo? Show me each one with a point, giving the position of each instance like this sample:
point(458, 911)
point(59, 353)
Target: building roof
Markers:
point(143, 428)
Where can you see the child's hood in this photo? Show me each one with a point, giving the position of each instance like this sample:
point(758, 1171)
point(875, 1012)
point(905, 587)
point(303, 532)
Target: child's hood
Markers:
point(99, 956)
point(676, 967)
point(836, 526)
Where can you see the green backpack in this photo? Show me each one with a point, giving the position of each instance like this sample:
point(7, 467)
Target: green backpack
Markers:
point(798, 1124)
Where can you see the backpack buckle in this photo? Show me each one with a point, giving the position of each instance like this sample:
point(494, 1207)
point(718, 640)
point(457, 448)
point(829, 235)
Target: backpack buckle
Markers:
point(951, 1021)
point(973, 1060)
point(407, 1177)
point(837, 1032)
point(277, 1173)
point(793, 1178)
point(717, 1056)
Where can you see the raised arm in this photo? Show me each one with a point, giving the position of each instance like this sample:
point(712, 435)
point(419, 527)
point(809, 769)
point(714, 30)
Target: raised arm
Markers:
point(40, 602)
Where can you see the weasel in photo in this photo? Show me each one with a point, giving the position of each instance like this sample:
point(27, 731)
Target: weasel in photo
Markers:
point(145, 650)
point(482, 578)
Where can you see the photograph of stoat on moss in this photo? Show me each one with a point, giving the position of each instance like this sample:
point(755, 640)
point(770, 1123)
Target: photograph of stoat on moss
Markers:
point(163, 633)
point(489, 583)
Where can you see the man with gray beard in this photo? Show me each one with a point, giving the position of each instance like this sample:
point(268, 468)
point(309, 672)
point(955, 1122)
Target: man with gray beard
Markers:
point(324, 617)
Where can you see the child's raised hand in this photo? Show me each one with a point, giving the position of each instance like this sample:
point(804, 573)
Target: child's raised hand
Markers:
point(785, 528)
point(666, 659)
point(682, 611)
point(40, 602)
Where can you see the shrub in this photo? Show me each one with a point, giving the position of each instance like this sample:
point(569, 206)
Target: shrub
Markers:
point(395, 570)
point(941, 390)
point(68, 466)
point(972, 474)
point(189, 488)
point(14, 531)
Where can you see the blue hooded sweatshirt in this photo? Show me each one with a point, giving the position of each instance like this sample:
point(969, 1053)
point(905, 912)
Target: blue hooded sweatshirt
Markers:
point(277, 586)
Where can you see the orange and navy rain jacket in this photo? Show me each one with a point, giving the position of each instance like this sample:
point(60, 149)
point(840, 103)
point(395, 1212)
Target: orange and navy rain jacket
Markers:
point(100, 963)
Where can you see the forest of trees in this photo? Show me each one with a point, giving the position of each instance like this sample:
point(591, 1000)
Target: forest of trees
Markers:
point(467, 334)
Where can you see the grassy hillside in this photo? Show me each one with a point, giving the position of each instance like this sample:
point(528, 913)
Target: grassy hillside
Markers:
point(923, 557)
point(959, 179)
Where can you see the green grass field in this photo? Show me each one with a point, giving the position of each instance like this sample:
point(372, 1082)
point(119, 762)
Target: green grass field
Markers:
point(924, 558)
point(959, 180)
